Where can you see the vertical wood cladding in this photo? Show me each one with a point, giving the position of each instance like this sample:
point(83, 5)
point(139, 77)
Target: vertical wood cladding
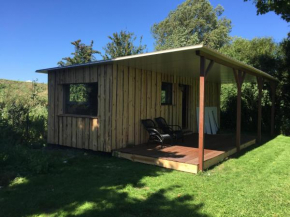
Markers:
point(137, 95)
point(80, 131)
point(125, 96)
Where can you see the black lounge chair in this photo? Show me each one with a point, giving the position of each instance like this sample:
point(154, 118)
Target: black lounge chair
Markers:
point(154, 135)
point(174, 130)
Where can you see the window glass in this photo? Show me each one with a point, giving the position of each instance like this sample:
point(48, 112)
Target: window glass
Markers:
point(166, 93)
point(81, 99)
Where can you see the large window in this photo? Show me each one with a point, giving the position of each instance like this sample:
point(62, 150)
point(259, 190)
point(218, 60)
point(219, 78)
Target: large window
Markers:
point(166, 94)
point(81, 99)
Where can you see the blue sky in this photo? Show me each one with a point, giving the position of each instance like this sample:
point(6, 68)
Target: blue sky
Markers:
point(36, 34)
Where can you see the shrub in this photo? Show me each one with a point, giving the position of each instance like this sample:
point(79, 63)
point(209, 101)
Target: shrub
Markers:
point(23, 109)
point(249, 108)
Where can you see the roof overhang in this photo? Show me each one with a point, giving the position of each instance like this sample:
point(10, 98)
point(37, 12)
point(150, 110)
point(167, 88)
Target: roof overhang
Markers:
point(99, 62)
point(184, 61)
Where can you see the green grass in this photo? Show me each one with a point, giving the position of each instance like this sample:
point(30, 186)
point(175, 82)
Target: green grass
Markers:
point(254, 183)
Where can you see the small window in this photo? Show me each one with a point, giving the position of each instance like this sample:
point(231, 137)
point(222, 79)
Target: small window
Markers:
point(166, 94)
point(81, 99)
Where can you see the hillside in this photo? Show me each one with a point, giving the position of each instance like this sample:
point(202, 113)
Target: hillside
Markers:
point(21, 89)
point(23, 109)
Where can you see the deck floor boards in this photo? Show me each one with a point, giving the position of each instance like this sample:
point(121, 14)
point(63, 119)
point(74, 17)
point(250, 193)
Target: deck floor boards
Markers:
point(187, 152)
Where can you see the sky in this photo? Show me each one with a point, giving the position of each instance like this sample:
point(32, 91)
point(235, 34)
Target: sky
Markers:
point(36, 34)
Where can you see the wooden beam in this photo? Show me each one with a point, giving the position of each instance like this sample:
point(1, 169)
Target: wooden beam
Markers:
point(260, 82)
point(273, 87)
point(201, 114)
point(227, 63)
point(239, 77)
point(236, 77)
point(242, 77)
point(238, 128)
point(209, 67)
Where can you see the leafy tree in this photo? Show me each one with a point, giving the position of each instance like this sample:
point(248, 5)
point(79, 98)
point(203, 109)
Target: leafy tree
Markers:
point(83, 54)
point(23, 109)
point(193, 22)
point(122, 44)
point(261, 53)
point(283, 89)
point(264, 54)
point(280, 7)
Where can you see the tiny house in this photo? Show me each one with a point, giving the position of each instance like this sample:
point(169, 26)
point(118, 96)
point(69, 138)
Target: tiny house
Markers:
point(99, 105)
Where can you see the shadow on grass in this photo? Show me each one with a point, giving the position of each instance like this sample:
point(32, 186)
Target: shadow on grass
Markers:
point(97, 185)
point(265, 139)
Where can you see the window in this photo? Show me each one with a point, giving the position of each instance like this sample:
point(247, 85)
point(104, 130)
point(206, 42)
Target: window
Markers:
point(81, 99)
point(166, 94)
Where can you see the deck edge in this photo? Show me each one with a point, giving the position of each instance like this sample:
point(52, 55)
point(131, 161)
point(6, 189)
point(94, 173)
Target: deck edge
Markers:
point(220, 158)
point(184, 167)
point(190, 168)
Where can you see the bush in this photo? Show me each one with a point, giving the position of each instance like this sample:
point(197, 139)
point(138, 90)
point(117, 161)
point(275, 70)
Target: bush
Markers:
point(285, 127)
point(273, 58)
point(23, 160)
point(23, 126)
point(23, 109)
point(249, 107)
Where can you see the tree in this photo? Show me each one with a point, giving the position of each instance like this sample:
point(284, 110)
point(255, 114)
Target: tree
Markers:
point(122, 44)
point(23, 108)
point(280, 7)
point(261, 53)
point(264, 54)
point(283, 89)
point(83, 54)
point(193, 22)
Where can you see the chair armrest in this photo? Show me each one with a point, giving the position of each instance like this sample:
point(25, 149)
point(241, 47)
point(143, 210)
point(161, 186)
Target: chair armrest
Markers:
point(153, 131)
point(176, 126)
point(168, 129)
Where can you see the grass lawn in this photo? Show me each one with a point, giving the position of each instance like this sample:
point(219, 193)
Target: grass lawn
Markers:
point(254, 183)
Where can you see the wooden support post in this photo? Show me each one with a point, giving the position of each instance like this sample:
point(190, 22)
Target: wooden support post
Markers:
point(260, 82)
point(273, 87)
point(202, 77)
point(239, 77)
point(201, 114)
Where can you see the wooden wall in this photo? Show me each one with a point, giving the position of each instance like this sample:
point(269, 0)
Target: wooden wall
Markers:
point(80, 131)
point(125, 96)
point(137, 95)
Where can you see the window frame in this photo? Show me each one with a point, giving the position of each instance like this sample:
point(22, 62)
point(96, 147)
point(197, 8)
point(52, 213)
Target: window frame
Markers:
point(66, 96)
point(166, 91)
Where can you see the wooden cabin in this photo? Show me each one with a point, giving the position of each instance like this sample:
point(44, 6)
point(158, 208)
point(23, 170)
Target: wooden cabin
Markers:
point(116, 94)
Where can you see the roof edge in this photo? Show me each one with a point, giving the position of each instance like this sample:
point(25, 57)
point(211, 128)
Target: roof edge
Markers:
point(192, 47)
point(238, 63)
point(73, 66)
point(200, 47)
point(122, 58)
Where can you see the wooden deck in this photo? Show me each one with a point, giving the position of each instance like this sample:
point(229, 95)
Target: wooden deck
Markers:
point(184, 156)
